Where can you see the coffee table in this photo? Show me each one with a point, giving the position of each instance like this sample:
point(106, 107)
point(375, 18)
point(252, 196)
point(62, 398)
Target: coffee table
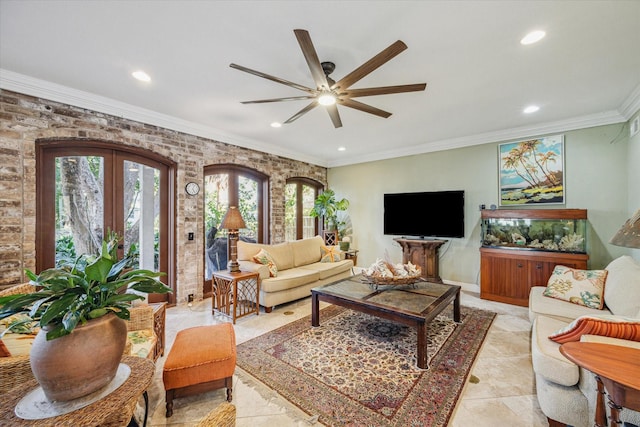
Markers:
point(415, 305)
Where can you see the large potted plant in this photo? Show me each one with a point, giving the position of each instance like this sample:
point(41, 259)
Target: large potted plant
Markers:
point(81, 308)
point(326, 206)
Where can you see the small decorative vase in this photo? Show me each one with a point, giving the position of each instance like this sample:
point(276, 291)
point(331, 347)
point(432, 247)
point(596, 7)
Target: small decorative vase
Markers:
point(80, 363)
point(344, 246)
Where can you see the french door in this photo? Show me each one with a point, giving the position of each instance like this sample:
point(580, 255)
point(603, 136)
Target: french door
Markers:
point(85, 191)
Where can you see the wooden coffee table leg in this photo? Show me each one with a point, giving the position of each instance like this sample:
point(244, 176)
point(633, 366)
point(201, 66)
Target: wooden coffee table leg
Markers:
point(422, 346)
point(315, 309)
point(456, 308)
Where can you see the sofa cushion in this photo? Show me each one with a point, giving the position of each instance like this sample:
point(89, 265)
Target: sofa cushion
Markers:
point(546, 358)
point(608, 326)
point(281, 253)
point(263, 257)
point(559, 309)
point(582, 287)
point(622, 290)
point(326, 269)
point(330, 254)
point(306, 251)
point(288, 279)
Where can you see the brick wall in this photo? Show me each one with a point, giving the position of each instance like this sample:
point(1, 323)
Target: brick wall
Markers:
point(25, 119)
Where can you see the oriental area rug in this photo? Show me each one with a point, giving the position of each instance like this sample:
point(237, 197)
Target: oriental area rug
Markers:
point(359, 370)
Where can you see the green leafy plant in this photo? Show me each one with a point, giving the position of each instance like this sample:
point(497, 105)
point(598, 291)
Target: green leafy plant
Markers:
point(327, 206)
point(73, 294)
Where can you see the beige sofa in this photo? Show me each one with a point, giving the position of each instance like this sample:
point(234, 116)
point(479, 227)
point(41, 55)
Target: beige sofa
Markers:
point(567, 393)
point(299, 269)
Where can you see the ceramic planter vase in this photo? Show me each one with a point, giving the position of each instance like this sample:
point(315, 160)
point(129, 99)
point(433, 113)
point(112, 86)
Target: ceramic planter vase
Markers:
point(79, 363)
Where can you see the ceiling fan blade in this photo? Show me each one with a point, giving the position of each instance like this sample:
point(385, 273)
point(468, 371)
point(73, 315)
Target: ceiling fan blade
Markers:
point(302, 112)
point(364, 107)
point(383, 90)
point(291, 98)
point(272, 78)
point(366, 68)
point(335, 116)
point(309, 52)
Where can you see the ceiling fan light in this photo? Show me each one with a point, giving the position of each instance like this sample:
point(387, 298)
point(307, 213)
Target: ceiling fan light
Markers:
point(326, 99)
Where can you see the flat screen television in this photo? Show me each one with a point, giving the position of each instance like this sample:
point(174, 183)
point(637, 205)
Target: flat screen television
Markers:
point(425, 214)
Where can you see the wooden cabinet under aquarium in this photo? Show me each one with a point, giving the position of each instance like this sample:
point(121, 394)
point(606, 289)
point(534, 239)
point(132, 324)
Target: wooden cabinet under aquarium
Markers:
point(520, 249)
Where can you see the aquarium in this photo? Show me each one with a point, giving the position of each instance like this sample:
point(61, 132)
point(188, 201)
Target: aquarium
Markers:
point(514, 229)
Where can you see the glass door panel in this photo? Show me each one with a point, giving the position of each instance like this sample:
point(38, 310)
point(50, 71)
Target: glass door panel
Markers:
point(308, 222)
point(290, 212)
point(216, 202)
point(248, 206)
point(79, 206)
point(142, 213)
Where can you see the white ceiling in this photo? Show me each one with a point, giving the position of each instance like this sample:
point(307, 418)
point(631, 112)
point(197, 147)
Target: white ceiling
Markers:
point(585, 72)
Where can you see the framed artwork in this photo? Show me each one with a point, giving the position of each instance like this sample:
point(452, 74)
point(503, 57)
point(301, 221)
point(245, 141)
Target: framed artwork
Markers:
point(532, 172)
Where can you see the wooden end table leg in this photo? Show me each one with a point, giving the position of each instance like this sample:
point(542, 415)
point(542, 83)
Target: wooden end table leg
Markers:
point(315, 309)
point(456, 308)
point(601, 413)
point(422, 346)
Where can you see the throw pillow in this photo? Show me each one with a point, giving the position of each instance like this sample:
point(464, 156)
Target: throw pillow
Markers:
point(330, 254)
point(263, 257)
point(582, 287)
point(624, 328)
point(4, 351)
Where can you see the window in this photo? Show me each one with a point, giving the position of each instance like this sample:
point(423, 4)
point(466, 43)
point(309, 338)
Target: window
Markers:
point(300, 193)
point(232, 185)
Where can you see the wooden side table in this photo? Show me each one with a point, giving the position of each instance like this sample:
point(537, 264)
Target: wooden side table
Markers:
point(353, 255)
point(235, 294)
point(159, 317)
point(617, 370)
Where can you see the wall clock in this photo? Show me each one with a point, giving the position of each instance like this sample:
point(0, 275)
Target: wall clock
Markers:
point(192, 188)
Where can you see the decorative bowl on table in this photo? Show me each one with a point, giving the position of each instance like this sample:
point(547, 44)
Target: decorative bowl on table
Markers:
point(383, 273)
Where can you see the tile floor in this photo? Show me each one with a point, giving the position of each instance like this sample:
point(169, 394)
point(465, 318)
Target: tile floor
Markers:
point(505, 394)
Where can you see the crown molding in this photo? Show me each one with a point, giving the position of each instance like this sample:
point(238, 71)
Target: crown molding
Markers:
point(20, 83)
point(16, 82)
point(631, 105)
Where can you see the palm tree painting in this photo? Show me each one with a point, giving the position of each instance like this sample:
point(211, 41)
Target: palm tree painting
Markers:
point(532, 171)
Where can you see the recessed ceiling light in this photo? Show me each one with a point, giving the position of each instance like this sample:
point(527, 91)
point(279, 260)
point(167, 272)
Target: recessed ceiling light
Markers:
point(276, 125)
point(141, 75)
point(342, 148)
point(531, 109)
point(533, 37)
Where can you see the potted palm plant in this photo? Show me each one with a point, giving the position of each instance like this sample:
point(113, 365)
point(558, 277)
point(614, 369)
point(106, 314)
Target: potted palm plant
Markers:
point(80, 309)
point(327, 207)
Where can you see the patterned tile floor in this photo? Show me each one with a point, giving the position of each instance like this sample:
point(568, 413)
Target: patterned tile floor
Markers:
point(504, 395)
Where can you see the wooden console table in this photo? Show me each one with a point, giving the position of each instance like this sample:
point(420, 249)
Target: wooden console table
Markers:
point(114, 409)
point(424, 254)
point(617, 370)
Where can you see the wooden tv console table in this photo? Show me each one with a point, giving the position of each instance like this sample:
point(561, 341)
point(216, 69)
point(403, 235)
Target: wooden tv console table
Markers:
point(424, 254)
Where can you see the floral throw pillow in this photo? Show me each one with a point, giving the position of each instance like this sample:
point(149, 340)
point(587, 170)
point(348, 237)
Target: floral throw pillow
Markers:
point(330, 254)
point(263, 257)
point(608, 326)
point(582, 287)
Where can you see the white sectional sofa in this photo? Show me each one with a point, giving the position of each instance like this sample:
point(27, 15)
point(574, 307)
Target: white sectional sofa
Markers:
point(567, 393)
point(299, 268)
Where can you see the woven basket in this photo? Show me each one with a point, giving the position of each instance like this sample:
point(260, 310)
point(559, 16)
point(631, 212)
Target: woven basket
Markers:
point(392, 281)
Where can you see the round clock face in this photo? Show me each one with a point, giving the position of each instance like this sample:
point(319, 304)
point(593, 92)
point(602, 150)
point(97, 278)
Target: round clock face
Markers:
point(192, 188)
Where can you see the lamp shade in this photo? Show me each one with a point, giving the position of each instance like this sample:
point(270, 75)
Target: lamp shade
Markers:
point(233, 220)
point(629, 234)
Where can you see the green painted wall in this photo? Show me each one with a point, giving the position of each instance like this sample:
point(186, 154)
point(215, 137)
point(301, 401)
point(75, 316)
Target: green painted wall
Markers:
point(597, 163)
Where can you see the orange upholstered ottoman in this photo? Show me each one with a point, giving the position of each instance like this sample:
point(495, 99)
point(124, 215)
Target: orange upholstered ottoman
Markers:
point(201, 359)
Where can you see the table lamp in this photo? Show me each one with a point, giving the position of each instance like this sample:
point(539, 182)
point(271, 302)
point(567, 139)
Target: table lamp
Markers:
point(629, 234)
point(233, 222)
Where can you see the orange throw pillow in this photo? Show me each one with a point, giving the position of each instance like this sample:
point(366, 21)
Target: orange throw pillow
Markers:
point(609, 326)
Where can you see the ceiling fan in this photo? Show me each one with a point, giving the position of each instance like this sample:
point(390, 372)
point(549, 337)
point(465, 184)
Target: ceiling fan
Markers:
point(330, 93)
